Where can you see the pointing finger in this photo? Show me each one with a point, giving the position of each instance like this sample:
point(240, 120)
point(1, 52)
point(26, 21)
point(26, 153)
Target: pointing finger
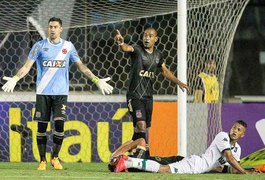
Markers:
point(118, 32)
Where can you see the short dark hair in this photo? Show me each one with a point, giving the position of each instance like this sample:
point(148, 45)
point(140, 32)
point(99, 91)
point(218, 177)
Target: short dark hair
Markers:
point(242, 122)
point(151, 28)
point(56, 19)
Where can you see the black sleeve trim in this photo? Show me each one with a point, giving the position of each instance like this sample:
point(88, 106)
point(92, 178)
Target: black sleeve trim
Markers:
point(225, 149)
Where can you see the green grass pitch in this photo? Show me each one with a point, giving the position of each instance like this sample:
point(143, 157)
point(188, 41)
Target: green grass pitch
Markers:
point(98, 171)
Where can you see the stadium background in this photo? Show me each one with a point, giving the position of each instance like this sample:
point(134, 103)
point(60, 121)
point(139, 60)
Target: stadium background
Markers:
point(244, 75)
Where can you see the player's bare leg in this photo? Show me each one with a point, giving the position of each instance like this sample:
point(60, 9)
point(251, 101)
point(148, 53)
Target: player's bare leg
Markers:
point(164, 169)
point(140, 130)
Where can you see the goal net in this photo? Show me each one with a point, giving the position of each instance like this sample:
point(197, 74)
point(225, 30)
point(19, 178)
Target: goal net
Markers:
point(97, 125)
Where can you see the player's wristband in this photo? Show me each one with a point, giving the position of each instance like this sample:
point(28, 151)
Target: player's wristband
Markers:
point(95, 80)
point(16, 78)
point(227, 169)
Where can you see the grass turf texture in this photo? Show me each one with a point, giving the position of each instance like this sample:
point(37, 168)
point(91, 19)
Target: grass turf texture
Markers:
point(98, 171)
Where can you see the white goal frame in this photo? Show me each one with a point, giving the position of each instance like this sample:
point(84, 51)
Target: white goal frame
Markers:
point(182, 75)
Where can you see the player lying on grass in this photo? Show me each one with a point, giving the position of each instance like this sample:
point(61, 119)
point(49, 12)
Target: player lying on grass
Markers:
point(138, 149)
point(222, 150)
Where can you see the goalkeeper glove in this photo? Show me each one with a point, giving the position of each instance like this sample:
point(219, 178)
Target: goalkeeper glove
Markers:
point(102, 85)
point(10, 84)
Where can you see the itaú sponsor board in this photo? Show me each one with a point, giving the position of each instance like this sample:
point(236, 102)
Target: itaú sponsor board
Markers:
point(92, 131)
point(254, 115)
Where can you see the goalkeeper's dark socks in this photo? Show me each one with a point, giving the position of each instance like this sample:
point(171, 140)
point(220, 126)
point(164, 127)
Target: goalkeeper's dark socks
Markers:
point(56, 150)
point(43, 158)
point(41, 141)
point(57, 141)
point(42, 151)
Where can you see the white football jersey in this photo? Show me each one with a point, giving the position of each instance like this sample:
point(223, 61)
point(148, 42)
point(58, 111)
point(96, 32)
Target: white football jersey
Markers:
point(212, 158)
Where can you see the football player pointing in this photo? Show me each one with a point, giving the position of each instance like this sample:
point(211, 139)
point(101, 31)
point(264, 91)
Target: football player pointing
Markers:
point(53, 56)
point(145, 61)
point(224, 148)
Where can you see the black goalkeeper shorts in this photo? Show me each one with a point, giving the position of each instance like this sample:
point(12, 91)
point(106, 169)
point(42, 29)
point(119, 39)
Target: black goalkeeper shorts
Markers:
point(47, 105)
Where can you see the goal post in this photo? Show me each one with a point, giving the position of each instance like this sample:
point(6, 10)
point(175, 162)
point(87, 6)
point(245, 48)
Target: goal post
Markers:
point(101, 123)
point(182, 75)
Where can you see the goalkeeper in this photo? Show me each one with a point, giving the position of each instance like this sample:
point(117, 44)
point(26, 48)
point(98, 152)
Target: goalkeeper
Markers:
point(224, 148)
point(53, 57)
point(146, 60)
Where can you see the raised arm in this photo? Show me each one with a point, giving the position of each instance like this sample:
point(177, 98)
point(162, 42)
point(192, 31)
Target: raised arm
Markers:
point(12, 81)
point(129, 145)
point(120, 40)
point(169, 75)
point(102, 84)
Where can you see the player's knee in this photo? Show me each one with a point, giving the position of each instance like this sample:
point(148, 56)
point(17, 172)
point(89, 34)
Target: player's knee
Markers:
point(164, 169)
point(142, 142)
point(42, 127)
point(58, 134)
point(59, 125)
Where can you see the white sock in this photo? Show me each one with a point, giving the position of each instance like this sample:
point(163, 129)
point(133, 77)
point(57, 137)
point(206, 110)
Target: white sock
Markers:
point(142, 164)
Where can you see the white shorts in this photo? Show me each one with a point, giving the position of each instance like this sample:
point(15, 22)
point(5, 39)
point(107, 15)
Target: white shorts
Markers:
point(187, 165)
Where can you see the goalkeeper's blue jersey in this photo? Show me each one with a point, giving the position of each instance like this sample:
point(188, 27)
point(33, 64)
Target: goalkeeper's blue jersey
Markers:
point(53, 66)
